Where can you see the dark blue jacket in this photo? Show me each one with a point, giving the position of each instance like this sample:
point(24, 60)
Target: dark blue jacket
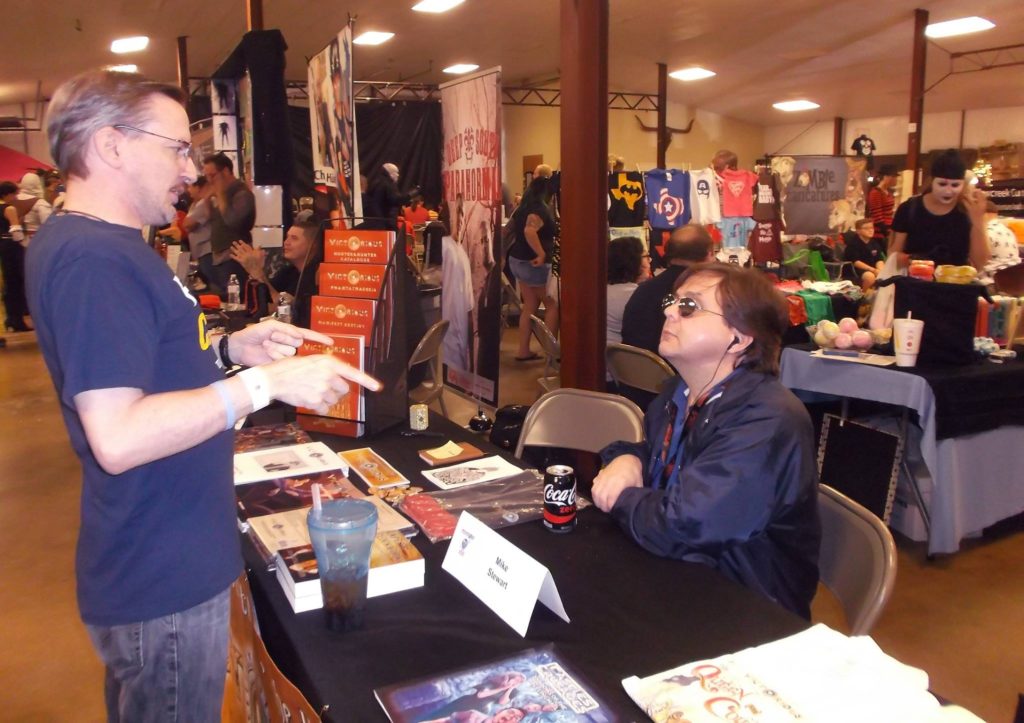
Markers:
point(744, 500)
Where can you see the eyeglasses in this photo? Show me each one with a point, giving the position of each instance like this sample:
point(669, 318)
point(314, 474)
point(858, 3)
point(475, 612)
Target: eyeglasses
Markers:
point(685, 305)
point(183, 149)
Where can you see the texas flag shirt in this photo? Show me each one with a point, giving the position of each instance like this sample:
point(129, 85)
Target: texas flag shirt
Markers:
point(668, 198)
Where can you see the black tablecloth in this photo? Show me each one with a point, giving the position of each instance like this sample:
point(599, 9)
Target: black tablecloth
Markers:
point(632, 613)
point(972, 398)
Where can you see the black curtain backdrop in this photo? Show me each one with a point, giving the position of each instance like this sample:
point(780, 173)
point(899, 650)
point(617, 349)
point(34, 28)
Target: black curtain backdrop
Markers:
point(406, 134)
point(302, 151)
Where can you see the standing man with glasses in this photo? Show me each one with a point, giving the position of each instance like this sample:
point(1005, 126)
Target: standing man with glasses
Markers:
point(726, 475)
point(147, 407)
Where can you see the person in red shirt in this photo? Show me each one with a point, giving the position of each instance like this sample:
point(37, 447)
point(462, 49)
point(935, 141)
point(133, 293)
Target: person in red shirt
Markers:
point(881, 203)
point(415, 213)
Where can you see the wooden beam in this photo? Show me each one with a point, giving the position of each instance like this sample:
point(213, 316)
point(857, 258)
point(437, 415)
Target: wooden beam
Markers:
point(663, 134)
point(837, 136)
point(253, 15)
point(917, 71)
point(584, 191)
point(183, 63)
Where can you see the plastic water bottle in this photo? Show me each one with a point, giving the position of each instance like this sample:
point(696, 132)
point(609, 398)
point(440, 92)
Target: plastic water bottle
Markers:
point(284, 310)
point(234, 297)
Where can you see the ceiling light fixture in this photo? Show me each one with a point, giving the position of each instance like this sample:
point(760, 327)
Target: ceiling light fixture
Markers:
point(460, 68)
point(791, 106)
point(960, 26)
point(129, 45)
point(436, 6)
point(129, 68)
point(372, 37)
point(694, 73)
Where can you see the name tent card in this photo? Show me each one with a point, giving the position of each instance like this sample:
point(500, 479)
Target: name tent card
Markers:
point(505, 578)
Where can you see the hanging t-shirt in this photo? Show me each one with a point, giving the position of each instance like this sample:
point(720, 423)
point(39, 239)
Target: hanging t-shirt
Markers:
point(737, 192)
point(766, 197)
point(735, 231)
point(766, 242)
point(626, 196)
point(668, 197)
point(863, 146)
point(705, 203)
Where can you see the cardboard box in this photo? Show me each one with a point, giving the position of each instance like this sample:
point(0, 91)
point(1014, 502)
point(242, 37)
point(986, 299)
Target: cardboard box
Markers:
point(361, 281)
point(350, 350)
point(331, 315)
point(356, 246)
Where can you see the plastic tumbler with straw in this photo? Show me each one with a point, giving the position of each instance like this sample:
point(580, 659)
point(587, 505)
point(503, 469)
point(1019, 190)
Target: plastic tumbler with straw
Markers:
point(342, 533)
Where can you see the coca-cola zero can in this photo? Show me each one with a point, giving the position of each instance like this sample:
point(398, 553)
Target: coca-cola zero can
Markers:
point(560, 498)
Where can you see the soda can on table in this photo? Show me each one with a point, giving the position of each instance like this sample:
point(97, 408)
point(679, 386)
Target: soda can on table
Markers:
point(560, 498)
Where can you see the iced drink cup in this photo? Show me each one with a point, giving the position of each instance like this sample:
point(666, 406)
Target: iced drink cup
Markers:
point(342, 534)
point(907, 340)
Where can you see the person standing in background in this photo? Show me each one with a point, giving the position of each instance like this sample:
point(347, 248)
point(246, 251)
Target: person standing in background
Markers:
point(33, 208)
point(12, 260)
point(232, 216)
point(881, 203)
point(197, 224)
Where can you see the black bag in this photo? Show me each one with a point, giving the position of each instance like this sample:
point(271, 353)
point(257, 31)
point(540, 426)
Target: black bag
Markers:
point(949, 312)
point(508, 426)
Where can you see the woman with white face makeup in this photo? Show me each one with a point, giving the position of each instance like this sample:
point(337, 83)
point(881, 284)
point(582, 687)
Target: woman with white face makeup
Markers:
point(946, 223)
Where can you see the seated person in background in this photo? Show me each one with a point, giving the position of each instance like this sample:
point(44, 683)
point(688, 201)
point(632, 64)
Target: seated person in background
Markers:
point(296, 282)
point(864, 252)
point(1002, 244)
point(642, 317)
point(416, 214)
point(945, 223)
point(726, 475)
point(628, 265)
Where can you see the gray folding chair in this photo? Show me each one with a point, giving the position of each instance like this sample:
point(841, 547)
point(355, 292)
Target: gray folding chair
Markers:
point(429, 350)
point(551, 377)
point(857, 560)
point(580, 419)
point(638, 368)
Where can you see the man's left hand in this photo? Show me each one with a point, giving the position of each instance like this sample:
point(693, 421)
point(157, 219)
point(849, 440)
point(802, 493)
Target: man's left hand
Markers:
point(268, 341)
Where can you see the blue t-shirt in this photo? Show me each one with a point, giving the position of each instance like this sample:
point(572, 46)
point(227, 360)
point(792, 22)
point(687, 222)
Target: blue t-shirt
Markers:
point(162, 537)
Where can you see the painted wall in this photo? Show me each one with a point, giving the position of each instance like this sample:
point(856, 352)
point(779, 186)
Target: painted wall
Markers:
point(982, 127)
point(535, 131)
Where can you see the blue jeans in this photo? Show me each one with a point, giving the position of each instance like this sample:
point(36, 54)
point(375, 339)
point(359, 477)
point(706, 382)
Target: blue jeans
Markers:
point(167, 669)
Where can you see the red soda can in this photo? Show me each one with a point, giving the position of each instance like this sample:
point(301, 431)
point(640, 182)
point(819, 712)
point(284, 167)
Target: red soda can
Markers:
point(560, 498)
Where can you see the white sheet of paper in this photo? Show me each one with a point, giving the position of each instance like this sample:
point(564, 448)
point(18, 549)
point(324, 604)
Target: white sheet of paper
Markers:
point(473, 472)
point(505, 578)
point(288, 461)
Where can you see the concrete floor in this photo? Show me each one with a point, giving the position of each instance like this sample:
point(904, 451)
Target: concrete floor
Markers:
point(961, 618)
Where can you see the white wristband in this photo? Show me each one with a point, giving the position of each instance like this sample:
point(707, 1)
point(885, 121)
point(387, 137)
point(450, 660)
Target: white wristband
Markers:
point(258, 385)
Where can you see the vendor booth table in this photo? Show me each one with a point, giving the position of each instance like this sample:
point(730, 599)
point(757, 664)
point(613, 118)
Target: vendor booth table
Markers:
point(632, 612)
point(966, 448)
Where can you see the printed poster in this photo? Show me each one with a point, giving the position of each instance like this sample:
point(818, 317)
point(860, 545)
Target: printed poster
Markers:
point(821, 195)
point(470, 269)
point(333, 130)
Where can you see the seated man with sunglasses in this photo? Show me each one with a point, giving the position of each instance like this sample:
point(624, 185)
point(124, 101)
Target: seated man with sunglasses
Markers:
point(726, 475)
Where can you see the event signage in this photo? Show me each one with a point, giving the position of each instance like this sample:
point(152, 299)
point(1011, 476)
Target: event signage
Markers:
point(821, 195)
point(505, 578)
point(471, 270)
point(333, 129)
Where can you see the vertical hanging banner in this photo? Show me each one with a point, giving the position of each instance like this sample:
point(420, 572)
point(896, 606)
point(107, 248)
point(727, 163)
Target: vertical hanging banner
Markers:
point(471, 272)
point(821, 195)
point(333, 130)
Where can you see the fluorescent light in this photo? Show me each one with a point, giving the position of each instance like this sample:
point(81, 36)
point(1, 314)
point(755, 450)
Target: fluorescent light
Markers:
point(794, 105)
point(129, 68)
point(372, 37)
point(129, 45)
point(694, 73)
point(436, 6)
point(460, 68)
point(960, 26)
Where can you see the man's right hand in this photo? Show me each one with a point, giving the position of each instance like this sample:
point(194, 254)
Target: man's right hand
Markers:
point(316, 381)
point(622, 472)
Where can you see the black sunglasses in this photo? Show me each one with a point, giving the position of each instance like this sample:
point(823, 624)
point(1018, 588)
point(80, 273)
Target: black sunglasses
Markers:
point(685, 305)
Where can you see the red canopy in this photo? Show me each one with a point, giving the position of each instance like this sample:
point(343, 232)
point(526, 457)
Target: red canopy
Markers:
point(14, 165)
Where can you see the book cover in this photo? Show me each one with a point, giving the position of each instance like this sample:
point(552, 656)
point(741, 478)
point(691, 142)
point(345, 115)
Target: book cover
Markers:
point(358, 246)
point(360, 281)
point(469, 473)
point(373, 469)
point(291, 461)
point(536, 684)
point(450, 453)
point(288, 493)
point(395, 565)
point(353, 317)
point(268, 436)
point(350, 350)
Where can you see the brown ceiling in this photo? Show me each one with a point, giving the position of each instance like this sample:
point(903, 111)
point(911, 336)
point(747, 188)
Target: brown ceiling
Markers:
point(851, 57)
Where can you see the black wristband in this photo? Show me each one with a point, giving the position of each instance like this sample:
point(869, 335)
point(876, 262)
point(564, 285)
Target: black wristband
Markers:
point(222, 351)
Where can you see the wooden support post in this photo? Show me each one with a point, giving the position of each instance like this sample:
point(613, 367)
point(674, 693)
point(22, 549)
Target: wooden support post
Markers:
point(183, 63)
point(917, 71)
point(663, 134)
point(837, 136)
point(253, 15)
point(584, 191)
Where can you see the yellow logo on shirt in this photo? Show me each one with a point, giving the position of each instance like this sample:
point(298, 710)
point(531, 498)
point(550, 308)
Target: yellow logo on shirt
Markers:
point(204, 333)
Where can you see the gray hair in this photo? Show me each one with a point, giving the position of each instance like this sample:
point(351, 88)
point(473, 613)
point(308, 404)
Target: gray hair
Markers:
point(93, 100)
